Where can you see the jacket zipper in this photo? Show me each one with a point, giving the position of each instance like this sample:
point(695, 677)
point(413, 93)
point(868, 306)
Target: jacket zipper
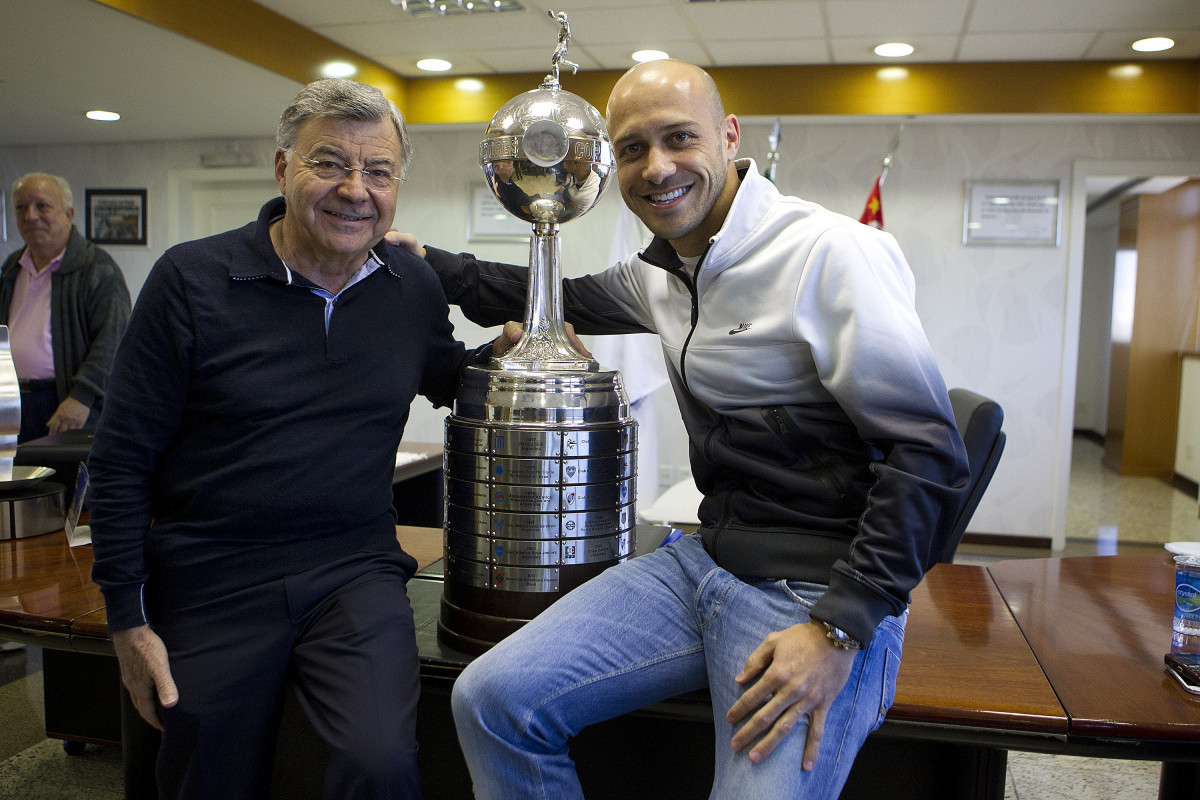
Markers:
point(690, 283)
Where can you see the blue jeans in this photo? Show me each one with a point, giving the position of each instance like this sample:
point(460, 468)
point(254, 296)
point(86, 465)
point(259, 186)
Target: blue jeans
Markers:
point(659, 625)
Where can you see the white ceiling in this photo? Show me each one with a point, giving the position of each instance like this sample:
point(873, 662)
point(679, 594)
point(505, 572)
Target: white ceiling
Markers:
point(752, 32)
point(63, 57)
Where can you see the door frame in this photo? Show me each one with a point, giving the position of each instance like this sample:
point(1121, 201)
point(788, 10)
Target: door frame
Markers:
point(182, 184)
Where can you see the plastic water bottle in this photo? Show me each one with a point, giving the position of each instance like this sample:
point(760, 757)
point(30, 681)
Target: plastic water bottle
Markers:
point(1187, 595)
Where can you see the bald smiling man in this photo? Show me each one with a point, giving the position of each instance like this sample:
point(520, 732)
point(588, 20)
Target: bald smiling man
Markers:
point(822, 439)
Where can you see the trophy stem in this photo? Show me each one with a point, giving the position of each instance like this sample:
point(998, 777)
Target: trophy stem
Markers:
point(545, 345)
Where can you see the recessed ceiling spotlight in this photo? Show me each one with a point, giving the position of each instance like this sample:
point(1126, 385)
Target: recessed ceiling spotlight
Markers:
point(1154, 44)
point(103, 116)
point(434, 64)
point(642, 56)
point(338, 69)
point(1126, 72)
point(894, 50)
point(469, 85)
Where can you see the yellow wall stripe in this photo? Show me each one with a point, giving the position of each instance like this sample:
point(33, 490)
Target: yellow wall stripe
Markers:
point(1090, 87)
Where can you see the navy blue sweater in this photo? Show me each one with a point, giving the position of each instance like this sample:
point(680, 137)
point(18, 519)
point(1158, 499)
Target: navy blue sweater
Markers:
point(239, 441)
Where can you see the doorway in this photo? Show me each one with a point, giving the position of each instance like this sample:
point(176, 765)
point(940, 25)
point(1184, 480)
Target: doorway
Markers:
point(203, 202)
point(1082, 371)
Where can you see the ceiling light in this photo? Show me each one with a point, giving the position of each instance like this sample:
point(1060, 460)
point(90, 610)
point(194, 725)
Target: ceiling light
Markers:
point(434, 64)
point(449, 8)
point(338, 69)
point(642, 56)
point(469, 85)
point(103, 116)
point(894, 50)
point(1125, 72)
point(1153, 45)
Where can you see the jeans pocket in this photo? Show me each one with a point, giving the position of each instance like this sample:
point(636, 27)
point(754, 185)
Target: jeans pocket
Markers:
point(802, 592)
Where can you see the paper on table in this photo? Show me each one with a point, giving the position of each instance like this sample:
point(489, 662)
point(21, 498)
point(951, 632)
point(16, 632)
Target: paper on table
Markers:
point(403, 457)
point(78, 534)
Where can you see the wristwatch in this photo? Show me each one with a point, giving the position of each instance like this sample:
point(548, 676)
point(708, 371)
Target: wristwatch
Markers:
point(841, 639)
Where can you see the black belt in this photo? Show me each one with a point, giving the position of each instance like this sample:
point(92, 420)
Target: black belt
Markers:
point(37, 386)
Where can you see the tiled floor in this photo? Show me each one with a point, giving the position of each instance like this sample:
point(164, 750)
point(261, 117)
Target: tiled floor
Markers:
point(1108, 514)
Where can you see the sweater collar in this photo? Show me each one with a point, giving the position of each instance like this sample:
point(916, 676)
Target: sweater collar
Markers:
point(270, 265)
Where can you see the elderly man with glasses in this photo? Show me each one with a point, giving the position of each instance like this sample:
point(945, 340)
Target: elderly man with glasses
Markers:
point(241, 474)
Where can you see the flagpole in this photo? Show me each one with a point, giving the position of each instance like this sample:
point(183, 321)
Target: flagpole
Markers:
point(772, 152)
point(886, 164)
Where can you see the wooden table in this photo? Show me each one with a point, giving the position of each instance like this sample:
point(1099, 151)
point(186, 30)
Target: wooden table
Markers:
point(45, 588)
point(968, 691)
point(1049, 655)
point(1099, 627)
point(47, 597)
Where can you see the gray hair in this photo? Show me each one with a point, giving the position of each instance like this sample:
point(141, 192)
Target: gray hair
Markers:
point(64, 188)
point(338, 98)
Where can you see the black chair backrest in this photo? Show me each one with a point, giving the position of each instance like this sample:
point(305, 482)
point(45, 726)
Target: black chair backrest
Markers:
point(978, 420)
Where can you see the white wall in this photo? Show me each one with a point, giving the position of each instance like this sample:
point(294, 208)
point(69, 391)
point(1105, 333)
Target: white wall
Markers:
point(1002, 320)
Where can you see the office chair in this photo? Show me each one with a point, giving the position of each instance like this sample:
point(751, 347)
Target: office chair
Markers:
point(978, 420)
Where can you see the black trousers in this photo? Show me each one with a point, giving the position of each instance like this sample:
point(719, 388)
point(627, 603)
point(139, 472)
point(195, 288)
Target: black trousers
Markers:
point(37, 407)
point(342, 633)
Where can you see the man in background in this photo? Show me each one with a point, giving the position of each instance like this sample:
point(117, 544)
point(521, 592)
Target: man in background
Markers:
point(66, 304)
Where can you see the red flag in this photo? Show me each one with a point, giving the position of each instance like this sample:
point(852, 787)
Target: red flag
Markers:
point(873, 213)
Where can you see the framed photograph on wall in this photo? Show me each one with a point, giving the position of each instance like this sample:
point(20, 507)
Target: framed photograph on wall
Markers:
point(116, 216)
point(1012, 212)
point(490, 221)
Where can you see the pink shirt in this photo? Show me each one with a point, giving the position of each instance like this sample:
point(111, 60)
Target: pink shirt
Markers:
point(29, 320)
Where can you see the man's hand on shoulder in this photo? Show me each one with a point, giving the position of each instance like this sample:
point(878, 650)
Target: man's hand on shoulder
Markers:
point(145, 671)
point(405, 240)
point(793, 673)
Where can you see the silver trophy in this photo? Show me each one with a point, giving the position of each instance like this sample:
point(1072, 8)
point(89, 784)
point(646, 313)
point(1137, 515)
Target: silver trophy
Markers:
point(540, 450)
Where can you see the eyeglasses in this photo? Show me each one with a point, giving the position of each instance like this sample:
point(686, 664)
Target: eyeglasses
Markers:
point(378, 178)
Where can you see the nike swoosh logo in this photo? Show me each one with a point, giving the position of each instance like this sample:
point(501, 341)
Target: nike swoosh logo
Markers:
point(742, 328)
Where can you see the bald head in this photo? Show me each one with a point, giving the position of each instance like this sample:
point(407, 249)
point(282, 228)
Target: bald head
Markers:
point(667, 76)
point(675, 148)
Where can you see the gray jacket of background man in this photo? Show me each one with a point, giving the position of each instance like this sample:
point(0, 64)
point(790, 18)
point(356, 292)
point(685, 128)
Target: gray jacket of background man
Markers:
point(89, 308)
